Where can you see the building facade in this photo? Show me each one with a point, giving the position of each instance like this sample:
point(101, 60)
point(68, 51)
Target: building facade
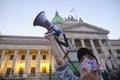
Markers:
point(23, 56)
point(28, 56)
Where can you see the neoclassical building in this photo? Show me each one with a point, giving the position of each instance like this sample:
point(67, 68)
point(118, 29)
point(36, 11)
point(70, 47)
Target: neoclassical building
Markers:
point(29, 56)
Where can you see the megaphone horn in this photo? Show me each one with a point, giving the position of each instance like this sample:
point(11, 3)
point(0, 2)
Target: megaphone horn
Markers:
point(41, 20)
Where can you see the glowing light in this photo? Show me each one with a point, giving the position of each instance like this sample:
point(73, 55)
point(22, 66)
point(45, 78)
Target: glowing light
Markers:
point(44, 64)
point(21, 64)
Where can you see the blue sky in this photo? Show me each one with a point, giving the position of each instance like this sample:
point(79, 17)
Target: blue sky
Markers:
point(16, 16)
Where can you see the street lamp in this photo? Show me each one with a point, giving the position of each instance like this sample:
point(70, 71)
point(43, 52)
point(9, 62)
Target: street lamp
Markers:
point(50, 69)
point(50, 73)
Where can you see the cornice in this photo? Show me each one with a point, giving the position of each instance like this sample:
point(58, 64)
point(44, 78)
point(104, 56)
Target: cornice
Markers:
point(28, 40)
point(86, 32)
point(115, 42)
point(75, 25)
point(18, 36)
point(95, 27)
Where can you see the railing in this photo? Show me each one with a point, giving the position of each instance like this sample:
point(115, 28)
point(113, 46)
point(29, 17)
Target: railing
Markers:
point(28, 77)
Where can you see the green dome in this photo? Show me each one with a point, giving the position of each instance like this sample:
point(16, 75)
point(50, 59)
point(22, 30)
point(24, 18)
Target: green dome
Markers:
point(57, 19)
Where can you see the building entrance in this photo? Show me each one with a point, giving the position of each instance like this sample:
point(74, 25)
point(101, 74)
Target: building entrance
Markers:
point(21, 69)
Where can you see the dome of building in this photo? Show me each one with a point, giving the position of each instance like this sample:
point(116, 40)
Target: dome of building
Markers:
point(57, 19)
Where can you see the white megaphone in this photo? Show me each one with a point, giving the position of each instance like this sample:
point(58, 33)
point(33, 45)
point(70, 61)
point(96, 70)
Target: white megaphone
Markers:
point(41, 20)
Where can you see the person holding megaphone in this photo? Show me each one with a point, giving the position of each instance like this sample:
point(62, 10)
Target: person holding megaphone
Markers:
point(89, 67)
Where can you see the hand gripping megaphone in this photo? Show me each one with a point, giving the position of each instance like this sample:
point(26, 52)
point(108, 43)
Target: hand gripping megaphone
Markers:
point(41, 20)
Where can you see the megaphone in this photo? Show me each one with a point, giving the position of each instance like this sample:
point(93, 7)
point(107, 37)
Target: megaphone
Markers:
point(41, 20)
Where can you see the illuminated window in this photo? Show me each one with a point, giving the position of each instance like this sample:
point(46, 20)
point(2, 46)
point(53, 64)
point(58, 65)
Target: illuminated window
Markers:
point(44, 57)
point(32, 70)
point(21, 69)
point(11, 57)
point(43, 69)
point(8, 71)
point(23, 57)
point(33, 57)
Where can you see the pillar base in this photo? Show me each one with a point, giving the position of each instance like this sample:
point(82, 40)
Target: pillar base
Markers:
point(24, 75)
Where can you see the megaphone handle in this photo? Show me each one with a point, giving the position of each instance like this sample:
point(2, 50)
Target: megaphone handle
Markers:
point(60, 42)
point(66, 40)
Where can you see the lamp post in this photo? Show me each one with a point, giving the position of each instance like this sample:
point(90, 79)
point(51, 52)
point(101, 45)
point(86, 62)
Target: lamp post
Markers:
point(50, 73)
point(50, 69)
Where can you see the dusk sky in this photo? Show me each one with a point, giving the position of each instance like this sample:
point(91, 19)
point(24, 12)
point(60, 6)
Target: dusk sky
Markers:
point(17, 16)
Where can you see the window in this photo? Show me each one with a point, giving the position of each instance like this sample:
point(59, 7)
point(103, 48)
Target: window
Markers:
point(118, 51)
point(21, 69)
point(43, 69)
point(8, 71)
point(96, 43)
point(77, 43)
point(32, 70)
point(87, 43)
point(99, 51)
point(23, 57)
point(33, 57)
point(44, 57)
point(110, 51)
point(11, 57)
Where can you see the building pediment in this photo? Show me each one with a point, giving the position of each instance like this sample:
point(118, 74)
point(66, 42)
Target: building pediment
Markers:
point(84, 27)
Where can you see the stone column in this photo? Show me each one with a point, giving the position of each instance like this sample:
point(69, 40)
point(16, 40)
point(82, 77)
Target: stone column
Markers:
point(26, 61)
point(71, 44)
point(38, 61)
point(82, 42)
point(114, 59)
point(2, 56)
point(13, 62)
point(94, 50)
point(73, 41)
point(104, 51)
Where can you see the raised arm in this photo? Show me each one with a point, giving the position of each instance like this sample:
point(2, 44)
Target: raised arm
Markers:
point(56, 50)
